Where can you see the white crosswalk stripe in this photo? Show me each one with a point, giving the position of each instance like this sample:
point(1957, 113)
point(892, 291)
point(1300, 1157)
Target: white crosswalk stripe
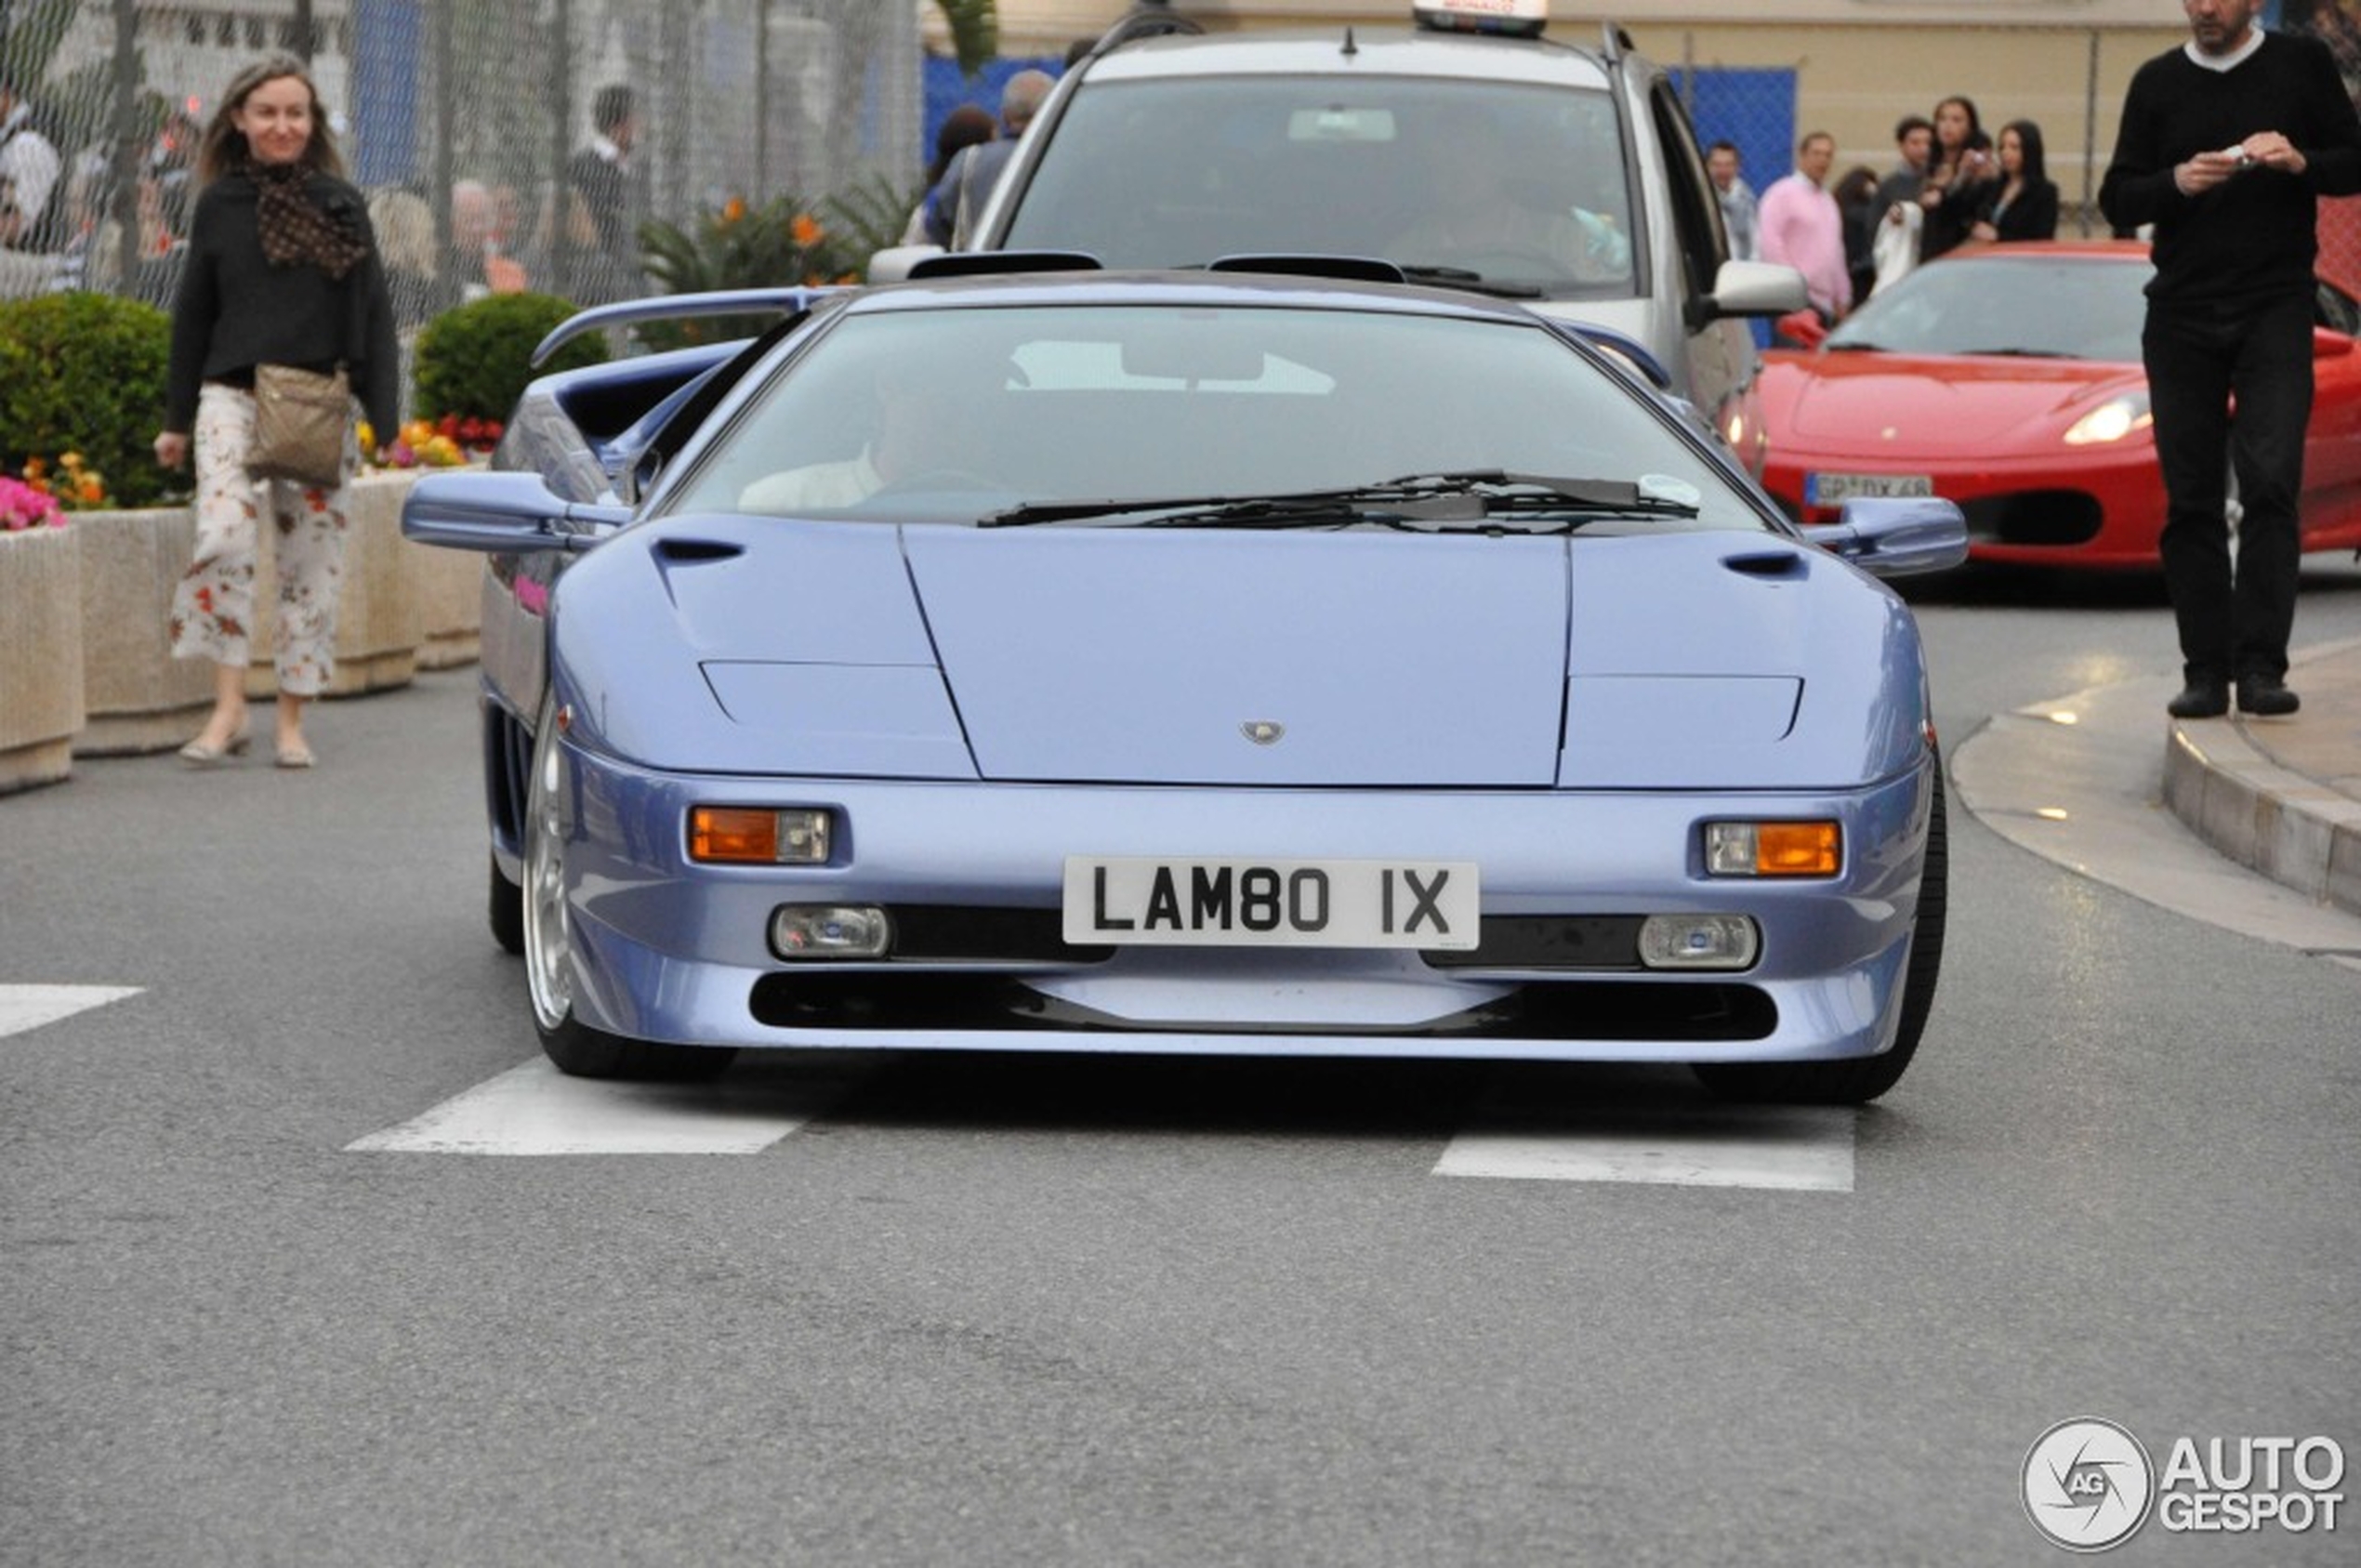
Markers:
point(29, 1007)
point(1796, 1148)
point(537, 1110)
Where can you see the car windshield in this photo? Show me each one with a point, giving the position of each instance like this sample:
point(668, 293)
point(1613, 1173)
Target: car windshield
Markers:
point(961, 412)
point(2055, 307)
point(1524, 187)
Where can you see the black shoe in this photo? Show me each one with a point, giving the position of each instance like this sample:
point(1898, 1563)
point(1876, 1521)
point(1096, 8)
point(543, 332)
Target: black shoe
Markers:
point(2202, 699)
point(2266, 695)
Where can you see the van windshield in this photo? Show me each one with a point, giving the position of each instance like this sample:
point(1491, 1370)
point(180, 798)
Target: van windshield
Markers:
point(1524, 187)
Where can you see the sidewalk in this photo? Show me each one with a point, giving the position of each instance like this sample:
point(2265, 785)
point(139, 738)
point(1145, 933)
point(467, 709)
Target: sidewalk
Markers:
point(2252, 825)
point(2282, 796)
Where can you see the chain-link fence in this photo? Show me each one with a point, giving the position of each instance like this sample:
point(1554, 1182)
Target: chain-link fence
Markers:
point(498, 101)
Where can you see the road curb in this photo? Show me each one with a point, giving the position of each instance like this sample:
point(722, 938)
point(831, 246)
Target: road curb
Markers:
point(2298, 833)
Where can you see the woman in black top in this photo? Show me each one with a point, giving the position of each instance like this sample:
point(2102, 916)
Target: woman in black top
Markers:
point(1959, 180)
point(2024, 206)
point(282, 268)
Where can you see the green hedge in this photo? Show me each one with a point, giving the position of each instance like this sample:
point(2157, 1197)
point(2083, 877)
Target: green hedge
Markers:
point(85, 372)
point(475, 361)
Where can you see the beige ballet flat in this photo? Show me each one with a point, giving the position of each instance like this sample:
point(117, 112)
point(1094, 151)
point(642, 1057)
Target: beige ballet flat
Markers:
point(196, 754)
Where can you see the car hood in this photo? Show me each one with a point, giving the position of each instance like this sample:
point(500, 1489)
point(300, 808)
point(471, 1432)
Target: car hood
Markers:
point(1295, 659)
point(1117, 656)
point(1867, 404)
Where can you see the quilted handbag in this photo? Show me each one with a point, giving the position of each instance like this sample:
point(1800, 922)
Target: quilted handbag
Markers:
point(302, 422)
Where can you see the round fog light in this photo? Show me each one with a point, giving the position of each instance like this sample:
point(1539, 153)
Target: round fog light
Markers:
point(830, 930)
point(1698, 941)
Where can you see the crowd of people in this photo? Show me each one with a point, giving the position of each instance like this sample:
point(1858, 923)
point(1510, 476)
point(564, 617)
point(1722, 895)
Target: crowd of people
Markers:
point(1953, 183)
point(2225, 146)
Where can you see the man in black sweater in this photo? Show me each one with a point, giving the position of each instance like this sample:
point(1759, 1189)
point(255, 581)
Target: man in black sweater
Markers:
point(2224, 144)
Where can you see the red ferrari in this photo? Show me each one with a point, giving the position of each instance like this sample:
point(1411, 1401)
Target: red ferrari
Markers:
point(2007, 378)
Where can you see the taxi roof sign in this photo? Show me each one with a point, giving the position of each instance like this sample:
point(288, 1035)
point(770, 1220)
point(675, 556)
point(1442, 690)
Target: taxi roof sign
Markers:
point(1523, 19)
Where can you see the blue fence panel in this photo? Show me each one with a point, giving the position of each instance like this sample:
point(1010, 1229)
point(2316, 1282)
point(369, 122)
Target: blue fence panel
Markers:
point(1754, 110)
point(390, 39)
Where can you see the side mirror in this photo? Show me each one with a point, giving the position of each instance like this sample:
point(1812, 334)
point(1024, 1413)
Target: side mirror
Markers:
point(1751, 288)
point(2328, 344)
point(1895, 537)
point(504, 513)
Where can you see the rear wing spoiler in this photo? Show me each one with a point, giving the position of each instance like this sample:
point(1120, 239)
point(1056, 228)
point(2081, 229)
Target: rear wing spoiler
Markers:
point(680, 307)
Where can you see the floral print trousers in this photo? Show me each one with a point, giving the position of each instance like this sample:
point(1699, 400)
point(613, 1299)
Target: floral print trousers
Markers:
point(212, 608)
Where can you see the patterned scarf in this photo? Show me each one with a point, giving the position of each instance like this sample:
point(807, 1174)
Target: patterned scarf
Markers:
point(296, 232)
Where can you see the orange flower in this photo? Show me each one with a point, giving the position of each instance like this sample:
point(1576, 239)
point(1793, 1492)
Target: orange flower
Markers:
point(806, 230)
point(94, 490)
point(734, 209)
point(33, 468)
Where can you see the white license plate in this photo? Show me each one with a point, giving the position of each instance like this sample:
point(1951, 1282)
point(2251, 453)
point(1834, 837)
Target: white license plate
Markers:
point(1270, 903)
point(1829, 490)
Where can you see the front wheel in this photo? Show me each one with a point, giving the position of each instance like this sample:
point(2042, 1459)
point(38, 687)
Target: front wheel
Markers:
point(575, 1047)
point(506, 910)
point(1858, 1081)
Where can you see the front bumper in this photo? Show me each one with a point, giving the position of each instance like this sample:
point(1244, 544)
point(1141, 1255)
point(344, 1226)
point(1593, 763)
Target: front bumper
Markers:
point(670, 951)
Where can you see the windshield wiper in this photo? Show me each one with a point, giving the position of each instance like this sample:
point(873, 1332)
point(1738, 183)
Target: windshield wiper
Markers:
point(2021, 353)
point(1418, 502)
point(1857, 345)
point(1474, 281)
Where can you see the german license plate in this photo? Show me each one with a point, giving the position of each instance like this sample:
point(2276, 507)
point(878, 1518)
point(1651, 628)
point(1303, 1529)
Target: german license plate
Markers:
point(1270, 902)
point(1830, 490)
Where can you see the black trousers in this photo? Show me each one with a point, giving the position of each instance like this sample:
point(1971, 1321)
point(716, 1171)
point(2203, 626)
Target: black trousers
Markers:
point(2200, 357)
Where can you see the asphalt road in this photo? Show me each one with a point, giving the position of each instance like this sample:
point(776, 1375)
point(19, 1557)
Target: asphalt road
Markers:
point(270, 1293)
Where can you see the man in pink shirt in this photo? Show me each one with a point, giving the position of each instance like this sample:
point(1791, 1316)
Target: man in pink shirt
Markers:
point(1802, 226)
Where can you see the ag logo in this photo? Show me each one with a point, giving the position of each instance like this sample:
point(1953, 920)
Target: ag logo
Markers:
point(2087, 1484)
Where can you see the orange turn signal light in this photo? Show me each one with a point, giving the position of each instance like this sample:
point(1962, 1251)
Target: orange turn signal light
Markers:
point(760, 836)
point(1774, 848)
point(1797, 849)
point(733, 836)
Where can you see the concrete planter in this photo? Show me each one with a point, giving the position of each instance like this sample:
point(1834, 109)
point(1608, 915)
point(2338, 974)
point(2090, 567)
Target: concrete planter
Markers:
point(404, 607)
point(40, 655)
point(377, 620)
point(450, 589)
point(136, 696)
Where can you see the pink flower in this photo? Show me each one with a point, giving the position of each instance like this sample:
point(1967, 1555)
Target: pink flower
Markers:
point(22, 507)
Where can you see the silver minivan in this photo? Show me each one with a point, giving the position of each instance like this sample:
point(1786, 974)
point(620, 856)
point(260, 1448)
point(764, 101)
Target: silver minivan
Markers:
point(1523, 167)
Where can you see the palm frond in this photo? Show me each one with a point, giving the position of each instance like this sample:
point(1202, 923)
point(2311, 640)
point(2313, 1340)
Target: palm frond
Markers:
point(975, 32)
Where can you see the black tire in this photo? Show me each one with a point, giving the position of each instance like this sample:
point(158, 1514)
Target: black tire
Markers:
point(545, 940)
point(506, 910)
point(1858, 1081)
